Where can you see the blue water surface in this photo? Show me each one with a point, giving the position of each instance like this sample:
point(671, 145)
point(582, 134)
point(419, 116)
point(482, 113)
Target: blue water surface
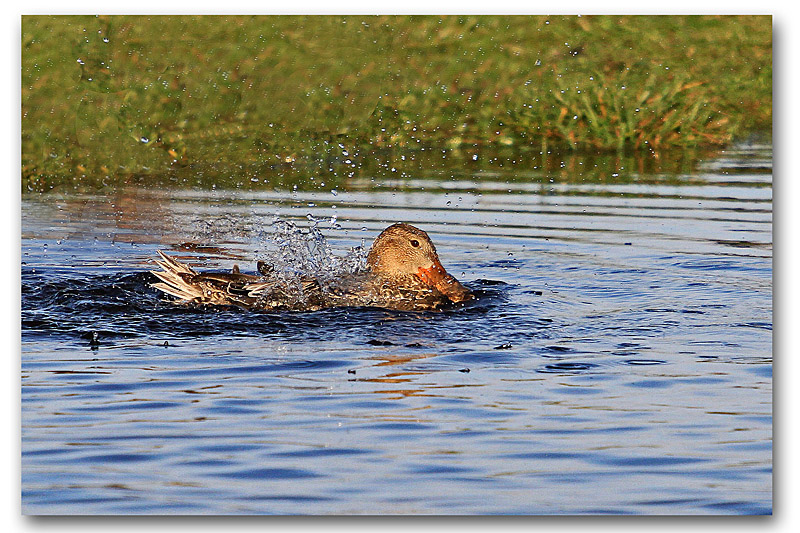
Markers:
point(618, 359)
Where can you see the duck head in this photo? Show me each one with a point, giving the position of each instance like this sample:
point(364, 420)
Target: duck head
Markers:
point(402, 250)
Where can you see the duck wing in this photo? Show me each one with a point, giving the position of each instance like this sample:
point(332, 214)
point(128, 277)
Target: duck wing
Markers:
point(233, 288)
point(220, 288)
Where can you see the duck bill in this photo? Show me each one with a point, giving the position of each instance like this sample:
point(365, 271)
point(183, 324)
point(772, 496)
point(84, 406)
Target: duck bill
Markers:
point(436, 276)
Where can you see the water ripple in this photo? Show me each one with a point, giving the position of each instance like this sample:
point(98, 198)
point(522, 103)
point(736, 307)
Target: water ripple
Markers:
point(619, 346)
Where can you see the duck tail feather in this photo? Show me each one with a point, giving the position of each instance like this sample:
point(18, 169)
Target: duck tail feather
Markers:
point(172, 276)
point(175, 285)
point(177, 292)
point(173, 265)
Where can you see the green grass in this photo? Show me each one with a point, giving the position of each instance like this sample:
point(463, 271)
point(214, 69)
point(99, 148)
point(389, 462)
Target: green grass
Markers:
point(112, 99)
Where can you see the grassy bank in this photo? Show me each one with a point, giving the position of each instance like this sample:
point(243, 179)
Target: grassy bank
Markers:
point(107, 98)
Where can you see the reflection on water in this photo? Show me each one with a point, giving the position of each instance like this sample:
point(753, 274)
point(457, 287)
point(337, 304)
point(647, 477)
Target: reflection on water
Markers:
point(618, 359)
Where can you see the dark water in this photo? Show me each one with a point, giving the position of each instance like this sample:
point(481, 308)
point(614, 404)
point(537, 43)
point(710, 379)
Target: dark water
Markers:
point(618, 360)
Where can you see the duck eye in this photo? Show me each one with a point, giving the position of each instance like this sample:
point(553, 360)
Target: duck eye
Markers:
point(415, 243)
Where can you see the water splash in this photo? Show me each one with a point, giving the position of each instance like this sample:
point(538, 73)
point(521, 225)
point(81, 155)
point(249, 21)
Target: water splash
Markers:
point(290, 254)
point(289, 248)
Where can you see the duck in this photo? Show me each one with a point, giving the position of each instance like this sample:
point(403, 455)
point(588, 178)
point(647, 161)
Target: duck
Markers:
point(403, 272)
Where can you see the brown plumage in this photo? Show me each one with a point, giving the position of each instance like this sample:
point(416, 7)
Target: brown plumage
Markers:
point(403, 272)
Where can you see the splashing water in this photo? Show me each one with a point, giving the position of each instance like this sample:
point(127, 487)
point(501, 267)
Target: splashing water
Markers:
point(307, 252)
point(291, 254)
